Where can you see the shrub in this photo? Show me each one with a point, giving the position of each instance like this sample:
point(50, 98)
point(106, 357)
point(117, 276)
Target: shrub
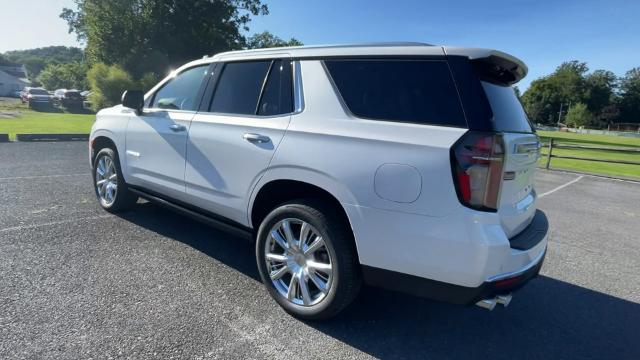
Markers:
point(107, 83)
point(578, 115)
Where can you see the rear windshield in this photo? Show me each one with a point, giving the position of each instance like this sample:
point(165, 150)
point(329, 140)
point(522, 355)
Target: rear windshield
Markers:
point(508, 114)
point(415, 91)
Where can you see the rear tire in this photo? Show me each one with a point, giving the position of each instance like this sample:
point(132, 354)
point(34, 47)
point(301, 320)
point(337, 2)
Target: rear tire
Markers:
point(108, 182)
point(321, 257)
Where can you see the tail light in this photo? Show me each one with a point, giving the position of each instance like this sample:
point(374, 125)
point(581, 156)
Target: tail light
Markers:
point(477, 161)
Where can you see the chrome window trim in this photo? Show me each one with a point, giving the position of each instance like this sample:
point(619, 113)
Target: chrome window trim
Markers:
point(298, 91)
point(155, 110)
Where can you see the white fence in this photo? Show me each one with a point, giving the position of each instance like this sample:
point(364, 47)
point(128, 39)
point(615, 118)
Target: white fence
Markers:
point(590, 131)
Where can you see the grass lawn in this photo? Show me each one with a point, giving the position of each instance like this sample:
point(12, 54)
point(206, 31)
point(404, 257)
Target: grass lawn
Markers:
point(18, 119)
point(620, 170)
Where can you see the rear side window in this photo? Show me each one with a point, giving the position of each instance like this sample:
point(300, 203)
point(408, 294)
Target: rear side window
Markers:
point(416, 91)
point(277, 97)
point(181, 92)
point(239, 87)
point(508, 114)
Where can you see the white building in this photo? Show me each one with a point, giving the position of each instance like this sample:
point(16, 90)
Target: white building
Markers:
point(12, 79)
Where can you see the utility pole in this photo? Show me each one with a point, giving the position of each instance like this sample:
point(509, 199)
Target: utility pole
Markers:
point(560, 114)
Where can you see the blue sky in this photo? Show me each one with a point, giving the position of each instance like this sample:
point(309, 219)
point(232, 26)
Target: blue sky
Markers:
point(544, 33)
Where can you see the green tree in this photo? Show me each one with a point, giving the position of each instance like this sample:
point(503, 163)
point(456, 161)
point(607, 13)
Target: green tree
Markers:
point(157, 35)
point(600, 95)
point(147, 81)
point(268, 40)
point(547, 95)
point(578, 115)
point(64, 76)
point(630, 96)
point(107, 83)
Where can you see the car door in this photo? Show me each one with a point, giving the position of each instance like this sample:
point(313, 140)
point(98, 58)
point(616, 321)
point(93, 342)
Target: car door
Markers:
point(233, 140)
point(156, 139)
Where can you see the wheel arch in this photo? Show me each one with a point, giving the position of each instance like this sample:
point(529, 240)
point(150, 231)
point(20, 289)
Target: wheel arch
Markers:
point(104, 138)
point(278, 191)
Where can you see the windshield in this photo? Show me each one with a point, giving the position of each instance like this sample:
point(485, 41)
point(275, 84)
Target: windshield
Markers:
point(508, 114)
point(38, 92)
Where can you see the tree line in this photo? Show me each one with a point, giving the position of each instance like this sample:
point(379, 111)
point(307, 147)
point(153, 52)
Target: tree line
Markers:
point(135, 43)
point(574, 96)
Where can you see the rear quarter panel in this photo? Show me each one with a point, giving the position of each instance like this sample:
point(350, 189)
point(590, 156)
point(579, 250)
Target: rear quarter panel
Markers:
point(325, 142)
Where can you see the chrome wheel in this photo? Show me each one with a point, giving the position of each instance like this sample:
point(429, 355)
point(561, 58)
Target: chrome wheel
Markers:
point(298, 262)
point(106, 180)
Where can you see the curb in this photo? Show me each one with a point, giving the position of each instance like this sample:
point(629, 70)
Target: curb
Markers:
point(52, 137)
point(4, 138)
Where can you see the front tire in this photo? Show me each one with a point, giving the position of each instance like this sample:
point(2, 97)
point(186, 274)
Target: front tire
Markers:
point(108, 182)
point(307, 259)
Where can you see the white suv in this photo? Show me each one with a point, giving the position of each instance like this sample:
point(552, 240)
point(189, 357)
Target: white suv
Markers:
point(402, 165)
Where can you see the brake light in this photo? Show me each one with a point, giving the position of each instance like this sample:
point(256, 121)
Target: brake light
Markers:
point(477, 161)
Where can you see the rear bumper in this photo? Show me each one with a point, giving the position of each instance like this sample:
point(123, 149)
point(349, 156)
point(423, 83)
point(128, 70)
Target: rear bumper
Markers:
point(451, 293)
point(470, 258)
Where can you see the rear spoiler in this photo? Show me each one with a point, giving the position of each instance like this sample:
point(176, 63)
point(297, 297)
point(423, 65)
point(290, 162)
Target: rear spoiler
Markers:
point(492, 65)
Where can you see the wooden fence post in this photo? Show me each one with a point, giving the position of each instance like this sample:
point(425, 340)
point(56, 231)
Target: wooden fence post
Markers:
point(549, 154)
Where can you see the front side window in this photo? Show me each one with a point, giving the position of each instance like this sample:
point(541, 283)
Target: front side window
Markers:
point(415, 91)
point(181, 92)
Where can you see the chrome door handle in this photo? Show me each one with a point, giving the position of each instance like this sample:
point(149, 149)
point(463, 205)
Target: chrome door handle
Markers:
point(256, 138)
point(177, 127)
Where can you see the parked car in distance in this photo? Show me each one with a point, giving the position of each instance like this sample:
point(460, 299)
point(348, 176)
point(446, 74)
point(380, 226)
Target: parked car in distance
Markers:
point(405, 166)
point(36, 97)
point(86, 103)
point(57, 94)
point(23, 94)
point(68, 98)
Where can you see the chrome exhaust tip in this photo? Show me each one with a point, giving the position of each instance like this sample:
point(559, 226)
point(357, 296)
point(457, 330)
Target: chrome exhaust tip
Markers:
point(490, 304)
point(504, 300)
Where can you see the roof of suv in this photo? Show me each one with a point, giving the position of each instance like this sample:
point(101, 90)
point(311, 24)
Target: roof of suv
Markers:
point(385, 48)
point(494, 57)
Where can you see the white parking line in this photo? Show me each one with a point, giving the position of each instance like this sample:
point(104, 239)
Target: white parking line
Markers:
point(33, 226)
point(561, 187)
point(41, 176)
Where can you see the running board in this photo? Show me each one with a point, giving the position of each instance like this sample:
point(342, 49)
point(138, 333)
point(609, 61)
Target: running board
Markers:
point(218, 224)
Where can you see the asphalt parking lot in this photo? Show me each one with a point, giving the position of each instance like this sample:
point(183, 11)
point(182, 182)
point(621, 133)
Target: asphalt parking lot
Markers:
point(76, 282)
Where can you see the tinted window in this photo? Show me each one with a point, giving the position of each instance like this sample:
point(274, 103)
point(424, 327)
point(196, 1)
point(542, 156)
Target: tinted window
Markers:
point(181, 92)
point(239, 87)
point(508, 114)
point(418, 91)
point(277, 97)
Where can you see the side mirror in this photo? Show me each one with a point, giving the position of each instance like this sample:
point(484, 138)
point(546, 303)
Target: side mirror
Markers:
point(133, 99)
